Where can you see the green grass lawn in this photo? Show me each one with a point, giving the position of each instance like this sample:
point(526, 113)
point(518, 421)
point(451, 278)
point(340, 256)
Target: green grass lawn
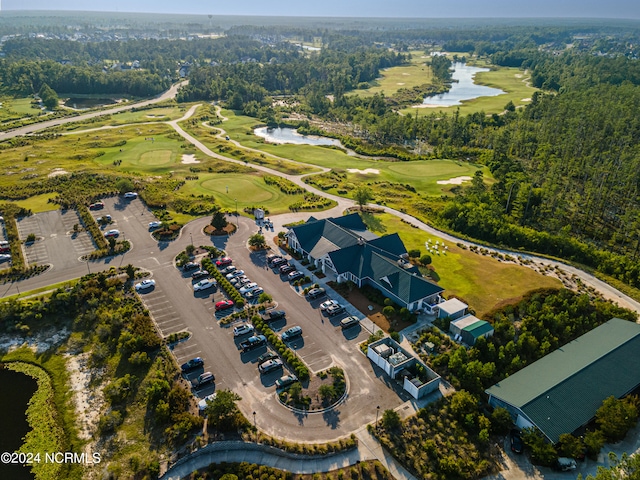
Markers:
point(482, 281)
point(249, 189)
point(405, 76)
point(23, 106)
point(38, 203)
point(513, 81)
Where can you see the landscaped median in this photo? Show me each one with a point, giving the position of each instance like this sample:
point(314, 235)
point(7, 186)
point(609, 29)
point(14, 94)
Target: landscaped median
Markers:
point(104, 249)
point(223, 283)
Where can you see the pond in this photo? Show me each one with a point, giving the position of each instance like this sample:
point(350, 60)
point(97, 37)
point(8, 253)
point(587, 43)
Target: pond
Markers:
point(462, 89)
point(17, 389)
point(86, 103)
point(291, 135)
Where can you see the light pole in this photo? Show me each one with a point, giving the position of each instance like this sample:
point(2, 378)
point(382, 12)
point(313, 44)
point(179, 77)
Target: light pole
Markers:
point(236, 213)
point(254, 425)
point(191, 236)
point(377, 412)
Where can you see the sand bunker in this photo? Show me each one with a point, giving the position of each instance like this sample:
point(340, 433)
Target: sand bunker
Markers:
point(190, 158)
point(366, 171)
point(57, 171)
point(454, 181)
point(526, 100)
point(400, 83)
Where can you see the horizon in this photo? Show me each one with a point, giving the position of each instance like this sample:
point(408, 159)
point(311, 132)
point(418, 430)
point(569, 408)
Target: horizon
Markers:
point(401, 9)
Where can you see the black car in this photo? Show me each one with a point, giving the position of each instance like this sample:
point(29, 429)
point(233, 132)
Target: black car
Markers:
point(266, 356)
point(199, 274)
point(276, 262)
point(516, 441)
point(192, 364)
point(253, 342)
point(190, 266)
point(273, 315)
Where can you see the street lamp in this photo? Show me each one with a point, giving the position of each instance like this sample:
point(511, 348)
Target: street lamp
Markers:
point(236, 213)
point(191, 236)
point(254, 425)
point(377, 412)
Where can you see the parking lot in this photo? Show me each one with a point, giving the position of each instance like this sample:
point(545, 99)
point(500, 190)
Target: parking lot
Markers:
point(56, 243)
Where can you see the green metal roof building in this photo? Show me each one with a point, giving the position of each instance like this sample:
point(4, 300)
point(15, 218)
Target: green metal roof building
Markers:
point(562, 391)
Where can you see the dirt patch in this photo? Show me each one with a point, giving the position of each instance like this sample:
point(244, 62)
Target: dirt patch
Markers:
point(57, 171)
point(39, 343)
point(189, 158)
point(228, 230)
point(363, 304)
point(455, 181)
point(88, 399)
point(528, 99)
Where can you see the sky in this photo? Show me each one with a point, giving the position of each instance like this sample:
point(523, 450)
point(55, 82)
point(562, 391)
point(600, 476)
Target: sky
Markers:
point(629, 9)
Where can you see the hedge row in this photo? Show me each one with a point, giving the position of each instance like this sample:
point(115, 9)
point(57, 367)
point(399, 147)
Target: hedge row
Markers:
point(92, 227)
point(292, 359)
point(10, 212)
point(284, 185)
point(223, 283)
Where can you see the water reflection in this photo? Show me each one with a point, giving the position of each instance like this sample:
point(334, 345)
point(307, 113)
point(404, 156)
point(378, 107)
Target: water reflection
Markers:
point(464, 88)
point(290, 135)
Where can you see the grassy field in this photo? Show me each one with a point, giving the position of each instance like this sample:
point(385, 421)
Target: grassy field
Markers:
point(405, 76)
point(513, 81)
point(23, 106)
point(38, 203)
point(422, 175)
point(482, 281)
point(249, 189)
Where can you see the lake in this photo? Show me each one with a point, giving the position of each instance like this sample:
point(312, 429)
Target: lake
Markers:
point(291, 135)
point(464, 88)
point(17, 389)
point(81, 103)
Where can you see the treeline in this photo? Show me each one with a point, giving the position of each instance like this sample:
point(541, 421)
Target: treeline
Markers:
point(329, 72)
point(27, 77)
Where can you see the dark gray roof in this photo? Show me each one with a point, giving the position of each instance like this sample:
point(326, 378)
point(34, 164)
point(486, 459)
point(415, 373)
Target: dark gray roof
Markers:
point(562, 391)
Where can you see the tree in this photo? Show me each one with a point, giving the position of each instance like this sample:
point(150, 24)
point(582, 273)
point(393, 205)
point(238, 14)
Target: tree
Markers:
point(362, 195)
point(327, 392)
point(615, 417)
point(131, 271)
point(391, 420)
point(500, 421)
point(542, 452)
point(627, 467)
point(222, 411)
point(425, 260)
point(414, 253)
point(219, 221)
point(124, 185)
point(48, 96)
point(257, 240)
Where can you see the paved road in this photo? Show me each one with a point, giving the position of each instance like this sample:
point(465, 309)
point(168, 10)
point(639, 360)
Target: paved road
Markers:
point(36, 127)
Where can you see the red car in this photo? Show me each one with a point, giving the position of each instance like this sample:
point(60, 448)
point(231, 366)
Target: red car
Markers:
point(224, 304)
point(223, 261)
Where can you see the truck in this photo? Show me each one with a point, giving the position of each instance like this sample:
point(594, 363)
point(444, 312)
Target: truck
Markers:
point(253, 342)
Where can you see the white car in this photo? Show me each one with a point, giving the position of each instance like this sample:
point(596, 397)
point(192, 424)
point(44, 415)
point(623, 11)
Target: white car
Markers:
point(243, 329)
point(202, 404)
point(203, 285)
point(145, 285)
point(237, 273)
point(248, 287)
point(5, 257)
point(156, 224)
point(327, 304)
point(255, 293)
point(131, 195)
point(112, 233)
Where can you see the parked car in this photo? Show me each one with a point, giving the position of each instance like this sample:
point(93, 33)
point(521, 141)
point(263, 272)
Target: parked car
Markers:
point(202, 404)
point(237, 273)
point(228, 269)
point(253, 342)
point(266, 356)
point(315, 293)
point(239, 281)
point(255, 293)
point(96, 206)
point(190, 266)
point(295, 275)
point(273, 258)
point(286, 380)
point(154, 225)
point(243, 329)
point(276, 262)
point(248, 287)
point(130, 195)
point(204, 378)
point(192, 364)
point(224, 304)
point(273, 315)
point(223, 261)
point(328, 304)
point(5, 257)
point(270, 365)
point(292, 332)
point(204, 285)
point(286, 269)
point(335, 310)
point(112, 233)
point(564, 464)
point(349, 322)
point(516, 441)
point(199, 274)
point(145, 285)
